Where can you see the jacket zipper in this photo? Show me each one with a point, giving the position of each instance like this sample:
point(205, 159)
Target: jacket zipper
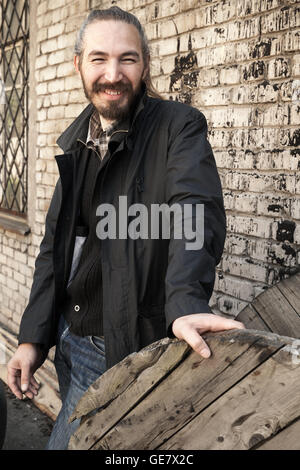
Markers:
point(91, 148)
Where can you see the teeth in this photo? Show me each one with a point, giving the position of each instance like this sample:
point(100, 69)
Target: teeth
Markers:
point(112, 92)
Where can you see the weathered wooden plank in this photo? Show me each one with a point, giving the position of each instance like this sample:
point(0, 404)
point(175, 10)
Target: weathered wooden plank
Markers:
point(278, 313)
point(287, 439)
point(252, 320)
point(264, 402)
point(290, 288)
point(169, 354)
point(152, 363)
point(162, 413)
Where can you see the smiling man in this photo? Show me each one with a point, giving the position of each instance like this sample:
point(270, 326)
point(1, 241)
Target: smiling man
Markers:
point(112, 75)
point(98, 299)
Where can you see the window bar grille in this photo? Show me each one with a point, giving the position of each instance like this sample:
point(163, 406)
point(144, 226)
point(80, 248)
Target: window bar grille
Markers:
point(14, 88)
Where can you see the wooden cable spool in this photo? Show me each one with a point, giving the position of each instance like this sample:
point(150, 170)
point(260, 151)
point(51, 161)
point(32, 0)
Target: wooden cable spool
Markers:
point(277, 309)
point(245, 396)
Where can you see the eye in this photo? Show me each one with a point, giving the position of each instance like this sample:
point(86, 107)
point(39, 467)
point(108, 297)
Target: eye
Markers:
point(98, 59)
point(129, 60)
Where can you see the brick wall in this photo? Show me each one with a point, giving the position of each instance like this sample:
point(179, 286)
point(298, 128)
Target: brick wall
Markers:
point(55, 99)
point(237, 61)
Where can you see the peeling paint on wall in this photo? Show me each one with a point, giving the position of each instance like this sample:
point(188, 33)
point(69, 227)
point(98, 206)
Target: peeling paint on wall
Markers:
point(285, 231)
point(184, 78)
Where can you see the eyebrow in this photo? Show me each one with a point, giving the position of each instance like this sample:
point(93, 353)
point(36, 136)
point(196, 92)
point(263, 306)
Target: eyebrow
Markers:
point(132, 53)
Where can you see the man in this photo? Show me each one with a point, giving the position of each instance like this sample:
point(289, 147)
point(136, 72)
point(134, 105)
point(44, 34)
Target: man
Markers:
point(100, 298)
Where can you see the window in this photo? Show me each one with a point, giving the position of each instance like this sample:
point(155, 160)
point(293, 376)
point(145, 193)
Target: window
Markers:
point(14, 74)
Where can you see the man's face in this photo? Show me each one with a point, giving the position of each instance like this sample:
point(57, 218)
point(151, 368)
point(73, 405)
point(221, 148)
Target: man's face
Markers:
point(112, 67)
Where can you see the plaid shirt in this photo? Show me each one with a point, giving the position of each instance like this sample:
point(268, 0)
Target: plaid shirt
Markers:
point(97, 137)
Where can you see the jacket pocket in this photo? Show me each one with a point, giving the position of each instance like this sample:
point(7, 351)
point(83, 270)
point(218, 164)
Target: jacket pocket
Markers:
point(98, 344)
point(81, 236)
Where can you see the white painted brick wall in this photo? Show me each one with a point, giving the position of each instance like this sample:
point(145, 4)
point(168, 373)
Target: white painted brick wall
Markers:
point(244, 76)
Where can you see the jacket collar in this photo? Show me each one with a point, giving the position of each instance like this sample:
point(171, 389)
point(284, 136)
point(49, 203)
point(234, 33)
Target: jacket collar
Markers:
point(79, 128)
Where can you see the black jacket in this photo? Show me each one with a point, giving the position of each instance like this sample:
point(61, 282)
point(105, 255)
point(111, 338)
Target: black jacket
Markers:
point(147, 283)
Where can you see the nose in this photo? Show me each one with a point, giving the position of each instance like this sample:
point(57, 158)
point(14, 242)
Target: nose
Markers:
point(113, 72)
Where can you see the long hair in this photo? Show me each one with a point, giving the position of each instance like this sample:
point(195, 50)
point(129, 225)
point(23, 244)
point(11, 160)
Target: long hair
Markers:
point(117, 14)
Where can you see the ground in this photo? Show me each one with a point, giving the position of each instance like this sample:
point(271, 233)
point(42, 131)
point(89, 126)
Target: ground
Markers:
point(27, 427)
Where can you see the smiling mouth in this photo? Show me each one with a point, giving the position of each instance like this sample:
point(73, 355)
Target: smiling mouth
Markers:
point(112, 93)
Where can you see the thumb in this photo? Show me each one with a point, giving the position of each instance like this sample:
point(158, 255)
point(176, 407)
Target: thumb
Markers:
point(25, 377)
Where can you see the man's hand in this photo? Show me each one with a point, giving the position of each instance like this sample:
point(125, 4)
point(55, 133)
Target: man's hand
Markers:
point(21, 368)
point(190, 328)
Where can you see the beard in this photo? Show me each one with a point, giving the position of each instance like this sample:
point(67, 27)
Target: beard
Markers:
point(112, 110)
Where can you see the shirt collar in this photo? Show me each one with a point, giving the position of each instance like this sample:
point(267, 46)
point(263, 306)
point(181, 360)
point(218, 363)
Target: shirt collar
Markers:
point(95, 129)
point(78, 130)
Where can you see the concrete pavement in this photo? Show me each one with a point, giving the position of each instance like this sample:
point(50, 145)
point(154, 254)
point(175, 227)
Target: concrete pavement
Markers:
point(27, 427)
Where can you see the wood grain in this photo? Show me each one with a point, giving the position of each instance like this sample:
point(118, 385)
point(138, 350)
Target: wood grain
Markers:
point(149, 365)
point(277, 309)
point(251, 319)
point(287, 439)
point(264, 402)
point(172, 404)
point(290, 288)
point(277, 312)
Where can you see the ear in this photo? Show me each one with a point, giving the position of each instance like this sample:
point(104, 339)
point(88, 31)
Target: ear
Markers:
point(76, 63)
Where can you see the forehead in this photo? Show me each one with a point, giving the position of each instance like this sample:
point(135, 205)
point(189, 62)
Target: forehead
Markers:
point(111, 36)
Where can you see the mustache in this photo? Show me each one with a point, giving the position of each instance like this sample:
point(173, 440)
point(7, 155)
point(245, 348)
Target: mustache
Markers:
point(98, 87)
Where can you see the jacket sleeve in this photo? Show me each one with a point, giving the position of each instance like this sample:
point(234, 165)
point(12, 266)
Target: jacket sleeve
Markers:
point(192, 178)
point(37, 320)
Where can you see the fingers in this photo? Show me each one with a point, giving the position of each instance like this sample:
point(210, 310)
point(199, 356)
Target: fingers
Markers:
point(30, 394)
point(197, 343)
point(29, 385)
point(203, 322)
point(25, 377)
point(191, 327)
point(20, 381)
point(20, 370)
point(34, 383)
point(33, 387)
point(217, 323)
point(15, 386)
point(13, 381)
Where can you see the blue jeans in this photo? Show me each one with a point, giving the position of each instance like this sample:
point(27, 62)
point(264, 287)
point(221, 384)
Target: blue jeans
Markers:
point(79, 361)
